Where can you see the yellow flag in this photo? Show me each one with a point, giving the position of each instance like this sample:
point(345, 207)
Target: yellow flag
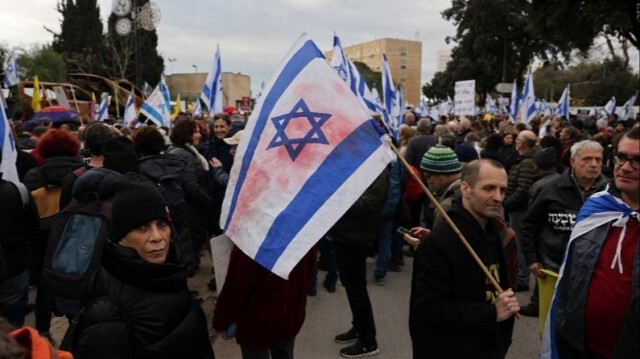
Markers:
point(178, 108)
point(37, 97)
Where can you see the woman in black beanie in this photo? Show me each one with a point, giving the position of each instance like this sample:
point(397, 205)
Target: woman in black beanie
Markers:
point(141, 305)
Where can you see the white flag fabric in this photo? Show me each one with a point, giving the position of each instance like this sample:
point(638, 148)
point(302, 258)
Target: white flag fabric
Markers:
point(563, 104)
point(212, 91)
point(307, 154)
point(627, 109)
point(197, 109)
point(130, 113)
point(157, 108)
point(103, 109)
point(12, 77)
point(528, 99)
point(8, 145)
point(610, 107)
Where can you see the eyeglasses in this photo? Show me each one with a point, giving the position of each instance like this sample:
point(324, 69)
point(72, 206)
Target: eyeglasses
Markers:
point(620, 159)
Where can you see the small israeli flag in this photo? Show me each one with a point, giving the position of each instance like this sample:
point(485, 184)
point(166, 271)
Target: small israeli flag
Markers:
point(528, 99)
point(12, 77)
point(513, 104)
point(212, 91)
point(103, 110)
point(627, 109)
point(610, 107)
point(130, 113)
point(563, 104)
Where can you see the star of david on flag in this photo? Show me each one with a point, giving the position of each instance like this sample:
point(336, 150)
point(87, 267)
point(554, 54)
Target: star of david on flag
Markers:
point(12, 76)
point(314, 135)
point(309, 150)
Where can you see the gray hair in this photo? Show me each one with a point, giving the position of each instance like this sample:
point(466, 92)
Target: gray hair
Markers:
point(584, 145)
point(424, 127)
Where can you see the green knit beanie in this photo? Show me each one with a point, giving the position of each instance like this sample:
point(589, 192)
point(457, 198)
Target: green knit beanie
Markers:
point(440, 159)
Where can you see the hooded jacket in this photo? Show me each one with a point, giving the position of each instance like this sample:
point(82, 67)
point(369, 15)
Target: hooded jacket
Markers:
point(452, 314)
point(141, 310)
point(521, 177)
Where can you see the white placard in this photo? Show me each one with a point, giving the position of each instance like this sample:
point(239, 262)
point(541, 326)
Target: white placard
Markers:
point(221, 247)
point(464, 98)
point(61, 97)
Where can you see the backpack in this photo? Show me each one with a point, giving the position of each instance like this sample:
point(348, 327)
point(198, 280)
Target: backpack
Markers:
point(74, 251)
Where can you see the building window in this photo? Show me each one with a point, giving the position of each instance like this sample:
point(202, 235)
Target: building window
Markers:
point(403, 51)
point(403, 64)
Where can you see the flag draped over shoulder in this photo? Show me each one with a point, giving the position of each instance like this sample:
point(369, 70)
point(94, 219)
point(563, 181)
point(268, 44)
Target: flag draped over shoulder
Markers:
point(8, 146)
point(308, 152)
point(12, 76)
point(212, 90)
point(601, 208)
point(528, 99)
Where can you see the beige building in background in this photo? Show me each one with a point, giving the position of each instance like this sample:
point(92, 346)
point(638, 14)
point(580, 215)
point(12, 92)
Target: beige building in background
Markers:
point(235, 86)
point(442, 59)
point(405, 62)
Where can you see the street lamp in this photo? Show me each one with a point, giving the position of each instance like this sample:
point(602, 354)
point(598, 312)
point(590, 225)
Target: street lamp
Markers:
point(172, 60)
point(196, 67)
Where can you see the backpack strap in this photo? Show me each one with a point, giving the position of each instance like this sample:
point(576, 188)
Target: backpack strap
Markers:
point(24, 194)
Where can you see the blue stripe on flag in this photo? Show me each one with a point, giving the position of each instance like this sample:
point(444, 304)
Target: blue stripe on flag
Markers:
point(353, 151)
point(155, 115)
point(307, 53)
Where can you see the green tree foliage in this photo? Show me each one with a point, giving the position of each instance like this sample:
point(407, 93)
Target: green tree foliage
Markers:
point(81, 40)
point(592, 84)
point(574, 24)
point(372, 78)
point(44, 62)
point(122, 56)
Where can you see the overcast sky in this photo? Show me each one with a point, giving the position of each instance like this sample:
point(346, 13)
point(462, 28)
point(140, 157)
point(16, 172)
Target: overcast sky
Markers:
point(254, 35)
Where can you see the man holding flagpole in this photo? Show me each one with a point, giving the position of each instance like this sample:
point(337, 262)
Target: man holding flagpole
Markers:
point(600, 272)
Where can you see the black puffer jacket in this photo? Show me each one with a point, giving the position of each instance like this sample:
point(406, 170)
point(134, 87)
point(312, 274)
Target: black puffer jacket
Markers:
point(361, 223)
point(141, 310)
point(451, 315)
point(17, 227)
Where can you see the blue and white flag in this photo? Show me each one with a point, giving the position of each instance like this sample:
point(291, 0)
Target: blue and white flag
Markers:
point(12, 77)
point(599, 209)
point(8, 145)
point(212, 91)
point(563, 104)
point(450, 105)
point(490, 105)
point(528, 99)
point(435, 113)
point(157, 108)
point(197, 108)
point(340, 63)
point(610, 107)
point(390, 98)
point(514, 103)
point(130, 113)
point(595, 112)
point(308, 153)
point(103, 109)
point(627, 109)
point(423, 109)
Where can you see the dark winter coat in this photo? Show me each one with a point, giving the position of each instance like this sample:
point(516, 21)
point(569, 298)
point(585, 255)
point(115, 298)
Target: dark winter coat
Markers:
point(18, 227)
point(521, 177)
point(450, 315)
point(140, 310)
point(361, 223)
point(547, 224)
point(265, 308)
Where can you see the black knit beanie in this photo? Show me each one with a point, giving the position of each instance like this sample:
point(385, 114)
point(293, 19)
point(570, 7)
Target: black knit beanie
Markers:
point(136, 202)
point(120, 156)
point(545, 158)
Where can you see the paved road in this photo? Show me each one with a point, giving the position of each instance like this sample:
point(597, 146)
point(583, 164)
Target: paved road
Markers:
point(328, 314)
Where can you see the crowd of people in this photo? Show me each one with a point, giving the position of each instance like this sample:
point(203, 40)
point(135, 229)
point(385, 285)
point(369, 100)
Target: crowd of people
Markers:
point(518, 193)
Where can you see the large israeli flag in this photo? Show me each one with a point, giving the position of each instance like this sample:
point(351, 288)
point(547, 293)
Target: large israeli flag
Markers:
point(563, 104)
point(157, 108)
point(130, 113)
point(103, 109)
point(8, 145)
point(513, 104)
point(627, 109)
point(528, 99)
point(212, 91)
point(12, 77)
point(599, 209)
point(307, 154)
point(610, 107)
